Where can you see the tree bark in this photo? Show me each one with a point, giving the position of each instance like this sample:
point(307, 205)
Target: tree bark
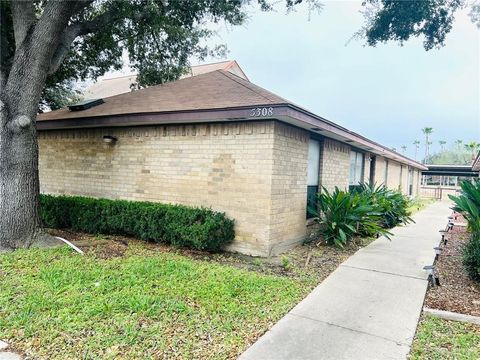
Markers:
point(20, 224)
point(36, 42)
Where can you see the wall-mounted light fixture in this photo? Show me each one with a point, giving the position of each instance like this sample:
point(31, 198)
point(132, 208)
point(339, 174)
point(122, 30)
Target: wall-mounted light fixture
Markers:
point(108, 139)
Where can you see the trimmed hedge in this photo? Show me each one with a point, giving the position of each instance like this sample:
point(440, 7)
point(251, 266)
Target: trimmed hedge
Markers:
point(183, 226)
point(471, 257)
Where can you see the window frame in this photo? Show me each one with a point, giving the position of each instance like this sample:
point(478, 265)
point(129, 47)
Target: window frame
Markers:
point(312, 190)
point(385, 174)
point(357, 166)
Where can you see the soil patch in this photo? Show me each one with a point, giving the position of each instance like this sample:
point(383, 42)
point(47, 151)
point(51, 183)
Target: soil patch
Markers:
point(457, 293)
point(315, 259)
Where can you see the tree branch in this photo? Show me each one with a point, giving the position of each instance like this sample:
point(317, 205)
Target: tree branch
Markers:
point(81, 29)
point(23, 18)
point(84, 28)
point(33, 55)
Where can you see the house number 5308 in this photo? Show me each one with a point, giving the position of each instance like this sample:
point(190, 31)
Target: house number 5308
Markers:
point(261, 111)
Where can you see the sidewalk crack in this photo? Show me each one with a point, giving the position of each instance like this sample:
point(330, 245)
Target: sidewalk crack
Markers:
point(350, 329)
point(384, 272)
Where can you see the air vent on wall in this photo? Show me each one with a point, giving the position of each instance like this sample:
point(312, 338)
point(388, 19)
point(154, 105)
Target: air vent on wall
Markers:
point(85, 104)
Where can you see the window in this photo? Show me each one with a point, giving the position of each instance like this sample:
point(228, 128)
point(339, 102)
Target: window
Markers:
point(312, 174)
point(373, 170)
point(356, 168)
point(385, 175)
point(400, 179)
point(410, 181)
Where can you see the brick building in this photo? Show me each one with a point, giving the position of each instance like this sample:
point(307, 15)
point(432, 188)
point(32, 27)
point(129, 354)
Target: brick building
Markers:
point(214, 140)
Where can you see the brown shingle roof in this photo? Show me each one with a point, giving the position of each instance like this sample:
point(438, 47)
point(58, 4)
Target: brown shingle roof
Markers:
point(214, 96)
point(121, 84)
point(213, 90)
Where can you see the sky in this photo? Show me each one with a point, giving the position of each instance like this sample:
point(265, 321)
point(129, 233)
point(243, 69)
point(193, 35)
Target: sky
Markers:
point(387, 93)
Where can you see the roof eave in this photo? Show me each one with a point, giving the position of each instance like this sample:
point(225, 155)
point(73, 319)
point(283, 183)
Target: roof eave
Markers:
point(286, 112)
point(354, 139)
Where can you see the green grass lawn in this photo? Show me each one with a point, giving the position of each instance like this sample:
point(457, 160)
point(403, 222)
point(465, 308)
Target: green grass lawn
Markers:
point(441, 339)
point(146, 304)
point(418, 204)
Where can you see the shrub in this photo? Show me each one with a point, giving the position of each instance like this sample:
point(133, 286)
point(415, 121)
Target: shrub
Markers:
point(468, 204)
point(471, 257)
point(183, 226)
point(393, 205)
point(342, 215)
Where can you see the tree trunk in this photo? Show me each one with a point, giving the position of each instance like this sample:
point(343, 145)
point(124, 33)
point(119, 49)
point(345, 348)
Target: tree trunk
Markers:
point(20, 224)
point(35, 43)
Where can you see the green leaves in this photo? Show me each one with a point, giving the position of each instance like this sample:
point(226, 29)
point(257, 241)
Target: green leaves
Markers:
point(159, 37)
point(468, 204)
point(471, 257)
point(367, 211)
point(390, 204)
point(401, 20)
point(182, 226)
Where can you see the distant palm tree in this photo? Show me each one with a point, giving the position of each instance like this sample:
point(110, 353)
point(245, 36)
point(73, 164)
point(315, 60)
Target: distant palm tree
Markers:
point(427, 131)
point(442, 145)
point(472, 147)
point(394, 149)
point(417, 146)
point(404, 148)
point(459, 144)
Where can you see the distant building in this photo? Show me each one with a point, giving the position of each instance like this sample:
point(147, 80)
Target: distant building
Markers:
point(217, 140)
point(447, 175)
point(439, 181)
point(122, 84)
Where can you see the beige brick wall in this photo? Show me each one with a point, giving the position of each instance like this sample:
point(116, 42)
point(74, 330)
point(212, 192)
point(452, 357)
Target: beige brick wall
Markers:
point(255, 172)
point(393, 179)
point(289, 187)
point(334, 164)
point(380, 164)
point(416, 182)
point(403, 178)
point(224, 166)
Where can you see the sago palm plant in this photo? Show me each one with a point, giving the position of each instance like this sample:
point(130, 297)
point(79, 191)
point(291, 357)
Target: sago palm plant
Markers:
point(468, 203)
point(391, 204)
point(342, 215)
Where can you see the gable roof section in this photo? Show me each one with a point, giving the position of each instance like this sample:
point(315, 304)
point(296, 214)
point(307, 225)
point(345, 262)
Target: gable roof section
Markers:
point(212, 90)
point(213, 96)
point(110, 87)
point(121, 84)
point(229, 65)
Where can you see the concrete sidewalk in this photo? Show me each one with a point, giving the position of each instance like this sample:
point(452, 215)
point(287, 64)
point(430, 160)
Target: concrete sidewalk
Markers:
point(369, 307)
